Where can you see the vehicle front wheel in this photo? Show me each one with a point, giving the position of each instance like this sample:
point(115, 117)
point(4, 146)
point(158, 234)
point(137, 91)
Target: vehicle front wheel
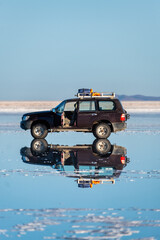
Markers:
point(39, 145)
point(102, 130)
point(39, 130)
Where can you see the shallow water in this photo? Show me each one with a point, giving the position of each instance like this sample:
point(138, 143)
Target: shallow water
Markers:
point(41, 199)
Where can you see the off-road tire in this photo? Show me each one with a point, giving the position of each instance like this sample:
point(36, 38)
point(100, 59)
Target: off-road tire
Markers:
point(39, 130)
point(39, 146)
point(102, 130)
point(101, 146)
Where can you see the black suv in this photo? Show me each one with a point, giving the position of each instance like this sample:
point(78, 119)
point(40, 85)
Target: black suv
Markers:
point(99, 113)
point(100, 162)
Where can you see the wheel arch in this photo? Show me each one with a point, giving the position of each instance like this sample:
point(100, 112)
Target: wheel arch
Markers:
point(103, 121)
point(42, 121)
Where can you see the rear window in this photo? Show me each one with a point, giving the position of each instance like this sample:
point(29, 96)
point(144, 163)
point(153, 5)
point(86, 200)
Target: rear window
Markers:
point(106, 105)
point(85, 106)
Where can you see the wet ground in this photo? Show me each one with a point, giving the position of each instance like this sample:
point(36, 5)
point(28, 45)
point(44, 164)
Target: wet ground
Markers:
point(58, 190)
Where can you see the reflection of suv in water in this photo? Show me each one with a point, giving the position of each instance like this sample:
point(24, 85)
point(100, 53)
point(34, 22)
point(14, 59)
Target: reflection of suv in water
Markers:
point(99, 113)
point(90, 164)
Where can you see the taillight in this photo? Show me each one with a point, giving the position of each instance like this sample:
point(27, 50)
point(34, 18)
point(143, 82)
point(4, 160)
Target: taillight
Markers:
point(123, 160)
point(123, 117)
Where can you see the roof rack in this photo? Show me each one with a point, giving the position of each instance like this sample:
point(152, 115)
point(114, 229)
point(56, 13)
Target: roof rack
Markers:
point(96, 94)
point(95, 181)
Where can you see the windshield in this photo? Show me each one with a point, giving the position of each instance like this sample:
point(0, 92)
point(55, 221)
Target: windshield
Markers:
point(60, 107)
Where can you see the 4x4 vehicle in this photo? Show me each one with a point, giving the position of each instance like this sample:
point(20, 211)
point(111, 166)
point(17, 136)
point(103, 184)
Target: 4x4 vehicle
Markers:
point(100, 162)
point(100, 113)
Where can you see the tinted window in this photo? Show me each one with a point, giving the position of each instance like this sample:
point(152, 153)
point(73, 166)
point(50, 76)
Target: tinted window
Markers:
point(106, 105)
point(70, 106)
point(85, 106)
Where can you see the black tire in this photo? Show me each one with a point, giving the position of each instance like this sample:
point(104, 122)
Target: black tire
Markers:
point(102, 130)
point(101, 146)
point(39, 130)
point(39, 145)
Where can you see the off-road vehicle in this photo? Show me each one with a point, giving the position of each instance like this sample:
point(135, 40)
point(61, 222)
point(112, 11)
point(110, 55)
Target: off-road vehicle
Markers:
point(100, 162)
point(100, 113)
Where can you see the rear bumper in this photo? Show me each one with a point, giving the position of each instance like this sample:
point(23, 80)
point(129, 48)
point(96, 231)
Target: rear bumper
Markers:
point(119, 126)
point(25, 125)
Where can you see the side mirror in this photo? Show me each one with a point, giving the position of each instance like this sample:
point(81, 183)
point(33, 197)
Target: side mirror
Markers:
point(53, 110)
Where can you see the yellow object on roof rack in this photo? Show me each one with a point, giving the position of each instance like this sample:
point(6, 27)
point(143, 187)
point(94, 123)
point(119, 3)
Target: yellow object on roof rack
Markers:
point(88, 183)
point(85, 92)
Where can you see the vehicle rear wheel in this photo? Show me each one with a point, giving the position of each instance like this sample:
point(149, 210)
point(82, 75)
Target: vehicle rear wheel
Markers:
point(102, 130)
point(101, 146)
point(39, 130)
point(39, 145)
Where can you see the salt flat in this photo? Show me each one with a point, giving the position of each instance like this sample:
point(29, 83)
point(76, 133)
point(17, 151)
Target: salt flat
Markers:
point(142, 106)
point(40, 201)
point(24, 106)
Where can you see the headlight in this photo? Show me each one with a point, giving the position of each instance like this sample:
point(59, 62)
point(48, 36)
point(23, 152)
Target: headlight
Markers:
point(25, 118)
point(25, 159)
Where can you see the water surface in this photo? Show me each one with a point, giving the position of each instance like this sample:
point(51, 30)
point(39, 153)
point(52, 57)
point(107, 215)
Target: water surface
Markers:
point(44, 201)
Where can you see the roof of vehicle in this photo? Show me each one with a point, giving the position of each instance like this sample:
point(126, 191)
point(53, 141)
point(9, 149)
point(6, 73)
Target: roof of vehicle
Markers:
point(91, 98)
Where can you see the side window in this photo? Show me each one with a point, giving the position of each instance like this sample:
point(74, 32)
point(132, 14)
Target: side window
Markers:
point(69, 106)
point(87, 106)
point(106, 105)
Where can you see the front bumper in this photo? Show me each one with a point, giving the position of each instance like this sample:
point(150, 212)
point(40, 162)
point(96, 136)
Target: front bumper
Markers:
point(25, 125)
point(119, 126)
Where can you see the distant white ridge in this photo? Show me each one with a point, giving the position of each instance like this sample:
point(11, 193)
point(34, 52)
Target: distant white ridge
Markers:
point(32, 106)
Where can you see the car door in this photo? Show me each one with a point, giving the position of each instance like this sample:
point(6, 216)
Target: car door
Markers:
point(86, 113)
point(69, 116)
point(58, 113)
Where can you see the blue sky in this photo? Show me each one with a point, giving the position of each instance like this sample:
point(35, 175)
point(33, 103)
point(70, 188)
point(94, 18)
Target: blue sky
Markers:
point(51, 48)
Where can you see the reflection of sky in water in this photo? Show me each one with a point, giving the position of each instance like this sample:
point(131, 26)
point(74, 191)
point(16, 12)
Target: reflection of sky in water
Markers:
point(50, 205)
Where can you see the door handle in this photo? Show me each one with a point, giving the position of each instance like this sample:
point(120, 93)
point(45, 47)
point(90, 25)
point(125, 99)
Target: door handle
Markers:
point(94, 114)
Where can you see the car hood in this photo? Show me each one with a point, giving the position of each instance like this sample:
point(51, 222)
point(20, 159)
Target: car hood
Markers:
point(41, 113)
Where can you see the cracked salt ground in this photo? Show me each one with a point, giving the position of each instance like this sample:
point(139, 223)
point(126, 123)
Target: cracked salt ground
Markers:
point(79, 223)
point(41, 197)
